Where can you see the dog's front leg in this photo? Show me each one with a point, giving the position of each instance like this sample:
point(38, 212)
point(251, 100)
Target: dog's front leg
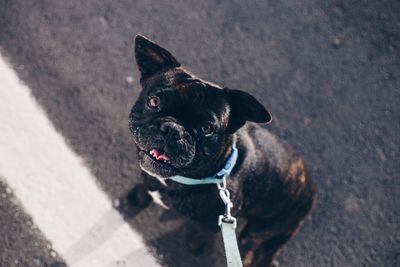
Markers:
point(199, 237)
point(134, 201)
point(259, 244)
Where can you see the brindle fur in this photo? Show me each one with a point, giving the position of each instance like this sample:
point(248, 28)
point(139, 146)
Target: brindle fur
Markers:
point(270, 186)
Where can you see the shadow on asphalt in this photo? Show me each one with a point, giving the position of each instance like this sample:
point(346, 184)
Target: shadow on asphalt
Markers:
point(136, 200)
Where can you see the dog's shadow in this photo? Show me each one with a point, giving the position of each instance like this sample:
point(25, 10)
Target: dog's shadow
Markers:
point(172, 246)
point(169, 246)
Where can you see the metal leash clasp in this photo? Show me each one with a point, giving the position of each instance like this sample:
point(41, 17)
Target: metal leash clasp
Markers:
point(225, 196)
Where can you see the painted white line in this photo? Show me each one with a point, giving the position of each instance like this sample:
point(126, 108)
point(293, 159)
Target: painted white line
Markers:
point(55, 187)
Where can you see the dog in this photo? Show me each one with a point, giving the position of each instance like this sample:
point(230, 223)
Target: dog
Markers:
point(183, 125)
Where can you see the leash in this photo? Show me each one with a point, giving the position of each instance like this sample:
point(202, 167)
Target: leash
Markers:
point(226, 222)
point(228, 225)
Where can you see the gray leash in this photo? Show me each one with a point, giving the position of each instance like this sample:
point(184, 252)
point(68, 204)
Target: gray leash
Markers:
point(228, 225)
point(226, 221)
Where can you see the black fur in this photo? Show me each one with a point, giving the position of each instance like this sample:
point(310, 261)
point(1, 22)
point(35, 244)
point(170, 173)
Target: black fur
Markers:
point(270, 186)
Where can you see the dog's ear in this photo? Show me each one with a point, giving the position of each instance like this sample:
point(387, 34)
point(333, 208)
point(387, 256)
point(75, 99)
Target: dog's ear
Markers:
point(244, 107)
point(152, 58)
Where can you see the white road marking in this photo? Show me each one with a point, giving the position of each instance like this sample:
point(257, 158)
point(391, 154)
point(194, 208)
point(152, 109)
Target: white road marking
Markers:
point(56, 188)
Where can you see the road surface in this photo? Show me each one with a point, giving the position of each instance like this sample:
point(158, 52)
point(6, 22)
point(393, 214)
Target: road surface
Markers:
point(327, 70)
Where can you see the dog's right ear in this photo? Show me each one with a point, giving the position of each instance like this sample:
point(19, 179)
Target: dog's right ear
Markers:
point(152, 58)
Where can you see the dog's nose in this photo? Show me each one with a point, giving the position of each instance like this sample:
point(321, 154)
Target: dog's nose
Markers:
point(172, 131)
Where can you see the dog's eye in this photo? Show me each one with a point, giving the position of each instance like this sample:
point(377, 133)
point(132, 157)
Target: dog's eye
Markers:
point(153, 101)
point(207, 128)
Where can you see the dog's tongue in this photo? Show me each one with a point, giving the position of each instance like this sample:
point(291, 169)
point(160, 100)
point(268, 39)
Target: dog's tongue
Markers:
point(162, 157)
point(155, 153)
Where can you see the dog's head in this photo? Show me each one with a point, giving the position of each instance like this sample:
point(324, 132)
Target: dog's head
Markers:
point(181, 124)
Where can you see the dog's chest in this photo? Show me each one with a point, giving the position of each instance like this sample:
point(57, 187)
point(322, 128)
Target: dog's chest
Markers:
point(200, 203)
point(157, 198)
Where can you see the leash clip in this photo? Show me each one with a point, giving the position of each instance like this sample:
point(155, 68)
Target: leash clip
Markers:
point(225, 196)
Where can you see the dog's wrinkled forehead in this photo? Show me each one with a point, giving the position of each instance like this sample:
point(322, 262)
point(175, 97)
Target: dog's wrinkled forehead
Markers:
point(170, 78)
point(189, 94)
point(160, 70)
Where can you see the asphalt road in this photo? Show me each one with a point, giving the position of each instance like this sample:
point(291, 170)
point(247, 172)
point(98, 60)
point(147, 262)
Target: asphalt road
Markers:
point(329, 72)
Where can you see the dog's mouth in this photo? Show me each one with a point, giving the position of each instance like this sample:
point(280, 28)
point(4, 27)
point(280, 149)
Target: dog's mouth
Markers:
point(159, 155)
point(157, 162)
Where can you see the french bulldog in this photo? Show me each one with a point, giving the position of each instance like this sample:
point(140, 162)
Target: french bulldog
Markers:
point(183, 125)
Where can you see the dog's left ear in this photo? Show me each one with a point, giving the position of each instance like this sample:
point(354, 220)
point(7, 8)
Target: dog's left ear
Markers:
point(152, 58)
point(244, 107)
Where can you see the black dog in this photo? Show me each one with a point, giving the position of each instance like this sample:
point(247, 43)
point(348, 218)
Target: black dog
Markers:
point(183, 125)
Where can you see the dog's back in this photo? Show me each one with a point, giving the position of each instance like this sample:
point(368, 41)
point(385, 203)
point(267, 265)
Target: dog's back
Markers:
point(277, 190)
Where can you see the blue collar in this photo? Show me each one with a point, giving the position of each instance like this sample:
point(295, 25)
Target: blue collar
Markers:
point(216, 178)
